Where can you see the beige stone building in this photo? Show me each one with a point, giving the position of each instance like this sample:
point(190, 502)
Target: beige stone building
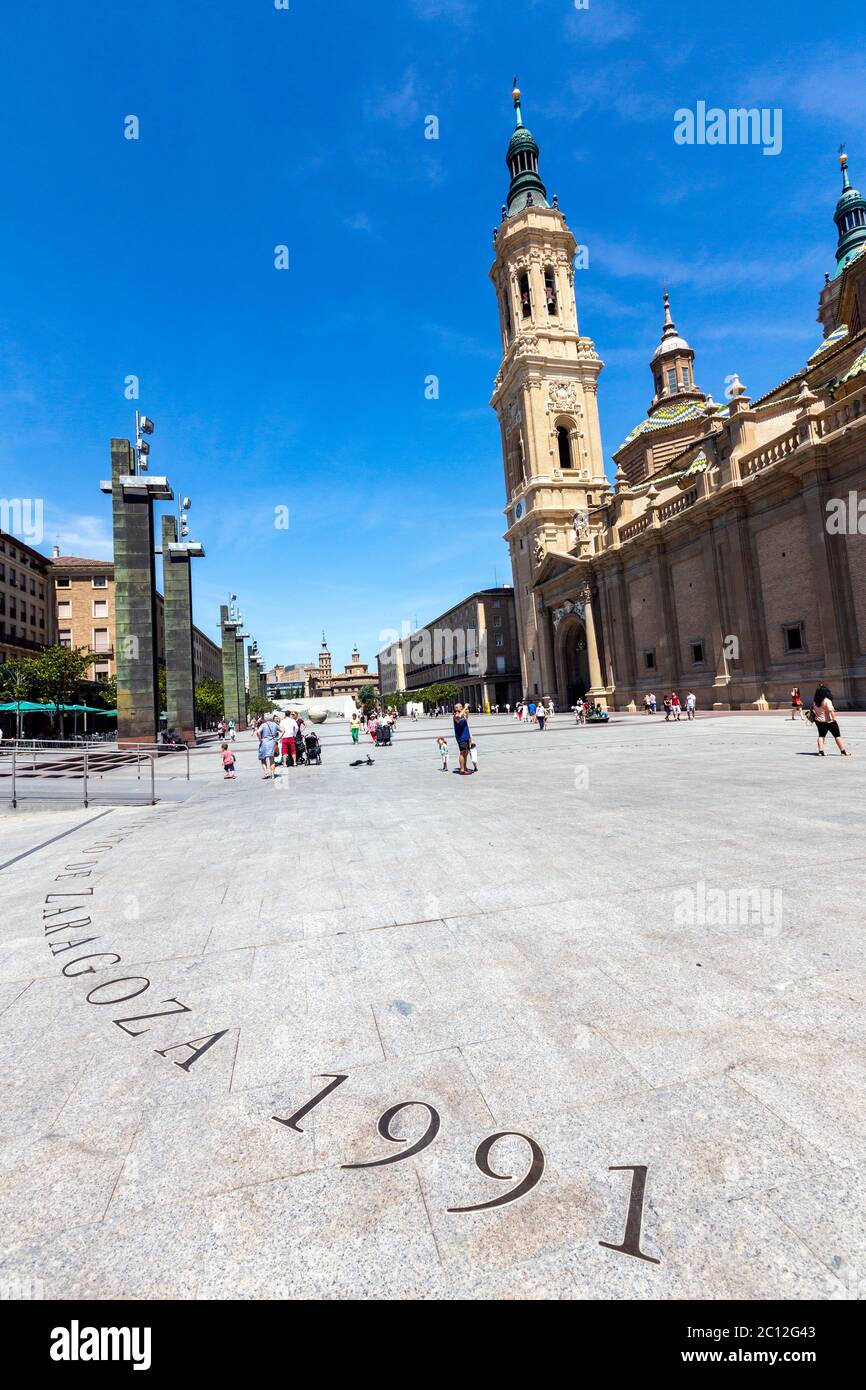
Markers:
point(326, 682)
point(26, 601)
point(84, 597)
point(474, 645)
point(729, 558)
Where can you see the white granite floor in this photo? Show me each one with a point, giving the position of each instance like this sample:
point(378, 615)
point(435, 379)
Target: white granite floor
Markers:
point(627, 948)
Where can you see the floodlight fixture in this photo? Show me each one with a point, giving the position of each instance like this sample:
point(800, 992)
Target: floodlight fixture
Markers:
point(146, 425)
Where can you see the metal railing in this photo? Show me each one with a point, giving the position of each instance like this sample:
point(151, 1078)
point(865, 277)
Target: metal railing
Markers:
point(45, 762)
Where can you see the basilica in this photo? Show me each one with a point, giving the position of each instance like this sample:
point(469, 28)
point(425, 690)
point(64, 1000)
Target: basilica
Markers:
point(717, 563)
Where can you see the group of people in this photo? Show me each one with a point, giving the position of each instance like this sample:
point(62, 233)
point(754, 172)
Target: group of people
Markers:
point(283, 741)
point(533, 711)
point(672, 706)
point(589, 711)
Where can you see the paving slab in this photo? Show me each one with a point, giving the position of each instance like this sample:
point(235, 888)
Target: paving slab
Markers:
point(379, 1033)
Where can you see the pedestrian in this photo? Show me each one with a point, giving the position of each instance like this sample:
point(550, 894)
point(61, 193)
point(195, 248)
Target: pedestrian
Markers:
point(540, 715)
point(691, 705)
point(473, 754)
point(231, 731)
point(653, 704)
point(824, 716)
point(676, 707)
point(647, 705)
point(227, 758)
point(288, 736)
point(355, 727)
point(372, 725)
point(463, 737)
point(797, 704)
point(269, 732)
point(667, 708)
point(442, 746)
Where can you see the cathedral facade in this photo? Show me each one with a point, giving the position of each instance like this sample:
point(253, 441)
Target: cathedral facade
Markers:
point(728, 559)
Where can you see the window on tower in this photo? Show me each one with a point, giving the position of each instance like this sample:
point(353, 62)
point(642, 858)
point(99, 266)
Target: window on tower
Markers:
point(686, 375)
point(525, 301)
point(550, 290)
point(564, 444)
point(672, 379)
point(507, 316)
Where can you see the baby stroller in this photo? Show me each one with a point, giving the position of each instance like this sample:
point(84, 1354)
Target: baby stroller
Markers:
point(312, 749)
point(383, 735)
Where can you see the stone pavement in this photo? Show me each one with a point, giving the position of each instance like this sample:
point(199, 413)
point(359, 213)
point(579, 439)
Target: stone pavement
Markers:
point(634, 951)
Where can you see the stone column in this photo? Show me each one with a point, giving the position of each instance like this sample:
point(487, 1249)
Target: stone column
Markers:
point(231, 705)
point(134, 595)
point(179, 661)
point(596, 685)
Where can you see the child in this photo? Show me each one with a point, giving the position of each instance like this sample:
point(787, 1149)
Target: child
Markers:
point(443, 752)
point(473, 754)
point(228, 761)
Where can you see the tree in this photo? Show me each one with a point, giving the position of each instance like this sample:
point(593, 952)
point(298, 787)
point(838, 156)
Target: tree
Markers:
point(257, 704)
point(209, 700)
point(108, 692)
point(57, 674)
point(17, 682)
point(163, 690)
point(368, 698)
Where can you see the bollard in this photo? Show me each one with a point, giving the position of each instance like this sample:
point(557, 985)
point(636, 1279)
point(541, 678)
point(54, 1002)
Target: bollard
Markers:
point(152, 780)
point(14, 789)
point(85, 778)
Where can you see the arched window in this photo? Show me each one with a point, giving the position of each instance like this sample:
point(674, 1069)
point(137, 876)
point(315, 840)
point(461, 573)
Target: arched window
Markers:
point(550, 290)
point(525, 301)
point(564, 446)
point(507, 316)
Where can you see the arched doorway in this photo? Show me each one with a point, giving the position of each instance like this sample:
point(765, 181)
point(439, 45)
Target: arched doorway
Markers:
point(572, 663)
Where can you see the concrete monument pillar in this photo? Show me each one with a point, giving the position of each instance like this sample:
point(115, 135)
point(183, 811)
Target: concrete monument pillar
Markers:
point(231, 698)
point(179, 662)
point(132, 499)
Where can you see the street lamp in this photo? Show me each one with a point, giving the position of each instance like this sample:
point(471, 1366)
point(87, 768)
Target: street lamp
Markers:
point(143, 426)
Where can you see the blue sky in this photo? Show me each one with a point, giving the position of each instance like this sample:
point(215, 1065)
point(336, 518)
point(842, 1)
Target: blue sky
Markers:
point(305, 388)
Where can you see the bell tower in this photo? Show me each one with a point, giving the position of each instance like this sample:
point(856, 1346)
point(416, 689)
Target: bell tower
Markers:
point(545, 395)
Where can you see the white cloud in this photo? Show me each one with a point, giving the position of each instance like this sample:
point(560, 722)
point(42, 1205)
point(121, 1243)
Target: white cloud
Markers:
point(399, 105)
point(79, 534)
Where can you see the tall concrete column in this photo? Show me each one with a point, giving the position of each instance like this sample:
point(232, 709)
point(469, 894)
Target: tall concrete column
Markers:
point(231, 703)
point(179, 661)
point(242, 678)
point(132, 499)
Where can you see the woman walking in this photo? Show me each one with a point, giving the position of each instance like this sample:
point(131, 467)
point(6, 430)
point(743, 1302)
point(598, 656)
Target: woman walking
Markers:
point(824, 716)
point(269, 732)
point(796, 703)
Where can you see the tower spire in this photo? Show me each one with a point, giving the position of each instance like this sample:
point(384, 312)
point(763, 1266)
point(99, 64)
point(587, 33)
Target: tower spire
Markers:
point(526, 189)
point(850, 218)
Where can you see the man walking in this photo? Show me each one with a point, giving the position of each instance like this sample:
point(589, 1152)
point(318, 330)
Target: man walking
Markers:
point(463, 737)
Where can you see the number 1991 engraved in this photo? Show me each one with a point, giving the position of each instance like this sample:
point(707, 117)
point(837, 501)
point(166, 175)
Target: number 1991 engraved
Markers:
point(534, 1173)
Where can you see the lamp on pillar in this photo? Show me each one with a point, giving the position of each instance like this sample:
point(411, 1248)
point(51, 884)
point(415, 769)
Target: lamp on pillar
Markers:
point(132, 499)
point(177, 552)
